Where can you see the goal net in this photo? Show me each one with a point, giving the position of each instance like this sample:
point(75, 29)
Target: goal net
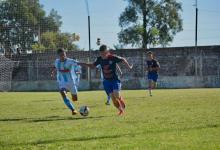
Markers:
point(6, 69)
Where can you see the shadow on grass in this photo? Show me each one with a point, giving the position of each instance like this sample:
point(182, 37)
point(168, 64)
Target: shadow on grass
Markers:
point(50, 118)
point(75, 139)
point(129, 135)
point(137, 98)
point(80, 139)
point(46, 100)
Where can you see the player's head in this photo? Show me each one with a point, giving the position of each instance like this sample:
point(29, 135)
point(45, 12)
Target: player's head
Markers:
point(103, 51)
point(150, 55)
point(61, 53)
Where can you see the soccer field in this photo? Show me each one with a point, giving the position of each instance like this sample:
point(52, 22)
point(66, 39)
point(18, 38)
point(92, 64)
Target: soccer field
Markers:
point(171, 119)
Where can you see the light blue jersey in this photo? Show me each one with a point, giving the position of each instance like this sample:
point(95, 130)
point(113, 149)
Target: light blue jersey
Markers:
point(66, 76)
point(65, 70)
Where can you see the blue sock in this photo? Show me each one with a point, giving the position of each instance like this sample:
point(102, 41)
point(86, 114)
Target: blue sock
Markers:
point(109, 98)
point(68, 103)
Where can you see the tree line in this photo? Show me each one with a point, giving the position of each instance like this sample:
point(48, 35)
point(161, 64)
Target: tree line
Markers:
point(24, 23)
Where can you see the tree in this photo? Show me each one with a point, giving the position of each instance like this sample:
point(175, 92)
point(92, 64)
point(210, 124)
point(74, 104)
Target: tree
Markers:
point(150, 22)
point(54, 40)
point(21, 21)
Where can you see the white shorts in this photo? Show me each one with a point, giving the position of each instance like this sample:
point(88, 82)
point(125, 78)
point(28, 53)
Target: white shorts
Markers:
point(77, 82)
point(70, 86)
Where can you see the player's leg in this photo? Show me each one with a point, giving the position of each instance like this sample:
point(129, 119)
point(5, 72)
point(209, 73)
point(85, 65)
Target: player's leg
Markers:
point(77, 81)
point(109, 89)
point(67, 102)
point(117, 95)
point(74, 91)
point(153, 82)
point(150, 83)
point(108, 99)
point(108, 95)
point(150, 86)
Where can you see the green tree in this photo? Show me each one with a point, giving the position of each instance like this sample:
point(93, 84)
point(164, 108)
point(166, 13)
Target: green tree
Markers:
point(54, 40)
point(21, 21)
point(150, 22)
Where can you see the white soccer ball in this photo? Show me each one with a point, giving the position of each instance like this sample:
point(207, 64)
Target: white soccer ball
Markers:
point(84, 110)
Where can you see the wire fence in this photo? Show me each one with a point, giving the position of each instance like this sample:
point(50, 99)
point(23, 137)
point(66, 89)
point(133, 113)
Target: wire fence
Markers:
point(173, 61)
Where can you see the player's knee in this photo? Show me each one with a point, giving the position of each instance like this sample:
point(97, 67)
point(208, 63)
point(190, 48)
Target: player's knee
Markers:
point(74, 98)
point(116, 95)
point(63, 94)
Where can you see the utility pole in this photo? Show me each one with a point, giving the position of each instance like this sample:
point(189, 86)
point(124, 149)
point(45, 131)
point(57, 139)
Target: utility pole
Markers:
point(87, 8)
point(196, 27)
point(89, 34)
point(196, 39)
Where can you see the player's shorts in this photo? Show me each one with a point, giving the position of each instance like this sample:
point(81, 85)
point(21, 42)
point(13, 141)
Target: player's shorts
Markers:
point(111, 85)
point(104, 89)
point(152, 76)
point(77, 82)
point(70, 86)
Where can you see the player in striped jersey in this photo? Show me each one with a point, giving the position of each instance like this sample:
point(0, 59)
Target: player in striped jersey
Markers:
point(66, 78)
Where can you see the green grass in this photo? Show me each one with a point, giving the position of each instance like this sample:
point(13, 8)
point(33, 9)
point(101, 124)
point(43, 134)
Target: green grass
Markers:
point(171, 119)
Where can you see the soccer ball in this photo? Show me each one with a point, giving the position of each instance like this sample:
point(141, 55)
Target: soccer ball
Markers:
point(84, 110)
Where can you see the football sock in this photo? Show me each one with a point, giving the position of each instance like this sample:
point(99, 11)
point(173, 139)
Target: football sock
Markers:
point(68, 103)
point(150, 91)
point(108, 99)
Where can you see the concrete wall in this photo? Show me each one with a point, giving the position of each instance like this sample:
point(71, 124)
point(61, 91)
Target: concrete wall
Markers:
point(163, 82)
point(181, 67)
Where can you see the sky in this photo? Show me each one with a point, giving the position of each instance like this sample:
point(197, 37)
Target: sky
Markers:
point(104, 16)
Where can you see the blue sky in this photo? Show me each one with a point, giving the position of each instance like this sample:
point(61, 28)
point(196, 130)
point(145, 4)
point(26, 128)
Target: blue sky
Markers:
point(104, 21)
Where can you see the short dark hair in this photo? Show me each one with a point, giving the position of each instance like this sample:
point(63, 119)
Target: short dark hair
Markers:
point(60, 50)
point(103, 48)
point(149, 52)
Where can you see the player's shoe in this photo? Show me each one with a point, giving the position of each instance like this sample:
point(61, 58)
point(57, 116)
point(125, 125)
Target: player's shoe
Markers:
point(121, 112)
point(107, 103)
point(74, 100)
point(74, 112)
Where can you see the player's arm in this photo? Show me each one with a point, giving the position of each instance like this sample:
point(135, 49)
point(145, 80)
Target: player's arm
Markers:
point(53, 72)
point(119, 69)
point(156, 68)
point(90, 65)
point(78, 72)
point(87, 65)
point(124, 60)
point(149, 69)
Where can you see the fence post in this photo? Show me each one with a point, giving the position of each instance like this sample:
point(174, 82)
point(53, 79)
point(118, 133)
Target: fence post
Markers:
point(37, 68)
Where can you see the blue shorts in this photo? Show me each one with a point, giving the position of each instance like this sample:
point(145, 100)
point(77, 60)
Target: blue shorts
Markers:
point(152, 76)
point(111, 85)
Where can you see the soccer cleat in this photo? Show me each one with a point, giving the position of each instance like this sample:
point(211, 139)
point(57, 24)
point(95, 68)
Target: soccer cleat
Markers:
point(74, 100)
point(107, 103)
point(121, 112)
point(74, 112)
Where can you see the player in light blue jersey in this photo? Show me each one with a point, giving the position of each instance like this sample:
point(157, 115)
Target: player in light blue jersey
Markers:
point(64, 67)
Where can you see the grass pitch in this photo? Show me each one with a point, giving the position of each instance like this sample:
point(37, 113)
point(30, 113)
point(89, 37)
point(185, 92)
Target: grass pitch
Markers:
point(171, 119)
